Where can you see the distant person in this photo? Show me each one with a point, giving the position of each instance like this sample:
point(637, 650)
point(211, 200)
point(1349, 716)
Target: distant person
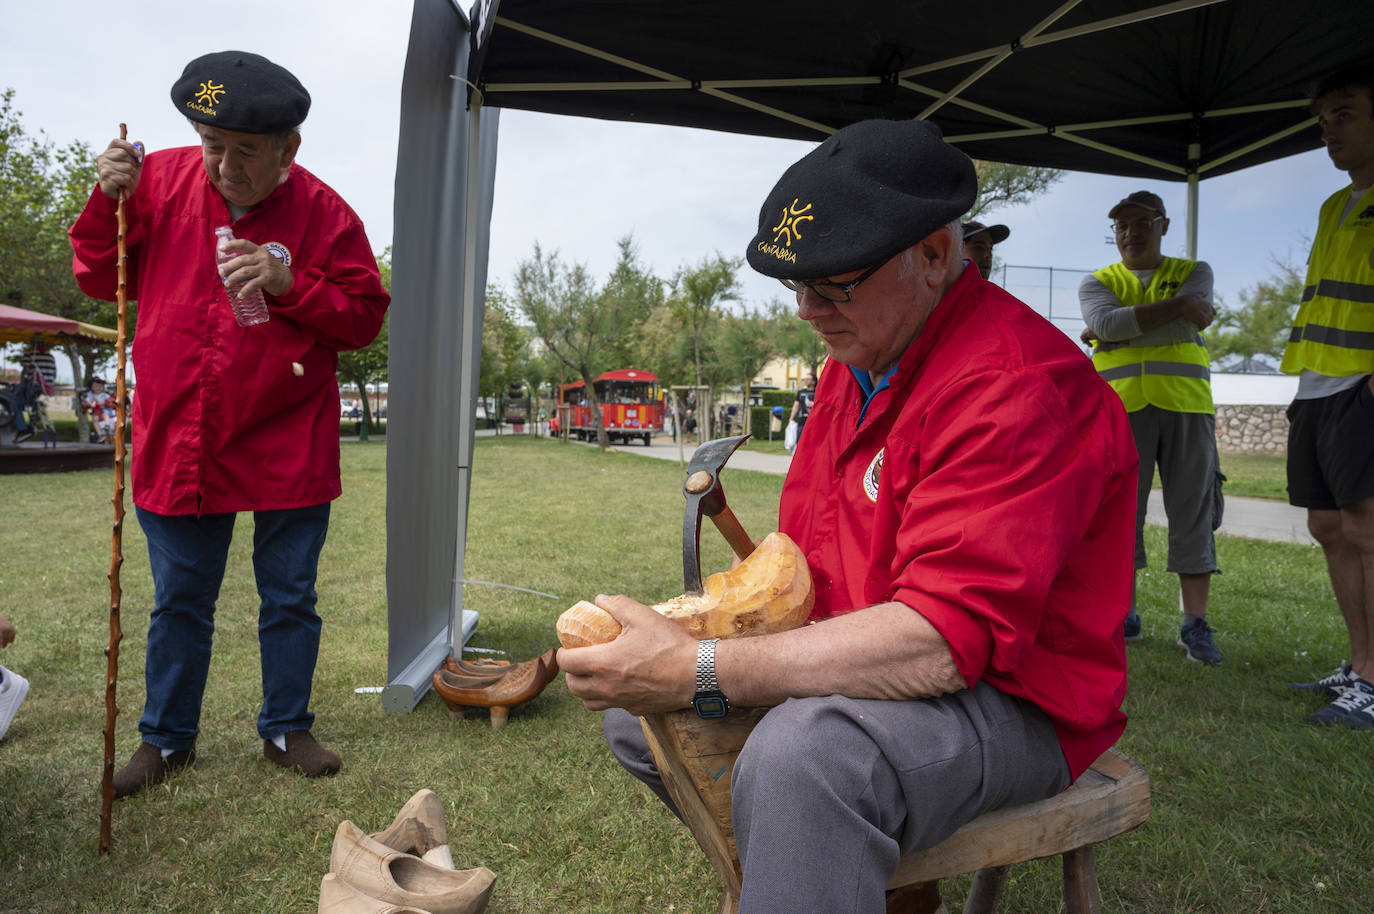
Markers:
point(801, 406)
point(13, 687)
point(37, 375)
point(232, 418)
point(1331, 419)
point(1144, 315)
point(100, 404)
point(979, 240)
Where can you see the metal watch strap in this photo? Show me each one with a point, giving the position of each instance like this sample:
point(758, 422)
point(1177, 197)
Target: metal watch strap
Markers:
point(706, 666)
point(709, 701)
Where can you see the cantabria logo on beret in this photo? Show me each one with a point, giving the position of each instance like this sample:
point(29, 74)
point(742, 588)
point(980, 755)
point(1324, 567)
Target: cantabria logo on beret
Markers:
point(207, 97)
point(788, 230)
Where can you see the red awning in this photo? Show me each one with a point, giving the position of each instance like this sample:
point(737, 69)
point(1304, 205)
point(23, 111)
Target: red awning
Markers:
point(18, 325)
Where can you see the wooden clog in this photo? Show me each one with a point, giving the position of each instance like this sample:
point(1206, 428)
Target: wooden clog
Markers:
point(524, 682)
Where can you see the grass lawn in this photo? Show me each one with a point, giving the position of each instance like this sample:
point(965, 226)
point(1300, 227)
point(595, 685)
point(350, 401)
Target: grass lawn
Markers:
point(1253, 809)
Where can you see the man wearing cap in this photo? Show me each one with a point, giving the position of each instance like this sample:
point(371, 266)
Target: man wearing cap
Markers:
point(232, 418)
point(1144, 314)
point(964, 502)
point(979, 240)
point(1331, 419)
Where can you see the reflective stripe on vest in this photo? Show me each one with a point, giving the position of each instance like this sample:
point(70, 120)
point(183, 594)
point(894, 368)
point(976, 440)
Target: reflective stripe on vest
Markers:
point(1333, 331)
point(1172, 376)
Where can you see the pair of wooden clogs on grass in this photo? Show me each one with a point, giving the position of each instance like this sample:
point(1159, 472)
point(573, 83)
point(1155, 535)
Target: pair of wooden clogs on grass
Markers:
point(406, 869)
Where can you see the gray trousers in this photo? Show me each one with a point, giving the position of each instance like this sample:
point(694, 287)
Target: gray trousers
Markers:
point(1184, 446)
point(828, 793)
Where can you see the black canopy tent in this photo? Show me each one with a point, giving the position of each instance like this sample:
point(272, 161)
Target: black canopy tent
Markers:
point(1174, 91)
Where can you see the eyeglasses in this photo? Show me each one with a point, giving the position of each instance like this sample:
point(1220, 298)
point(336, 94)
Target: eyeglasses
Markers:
point(1140, 226)
point(832, 291)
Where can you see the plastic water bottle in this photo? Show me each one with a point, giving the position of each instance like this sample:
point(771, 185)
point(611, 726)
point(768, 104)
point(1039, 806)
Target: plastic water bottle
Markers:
point(250, 309)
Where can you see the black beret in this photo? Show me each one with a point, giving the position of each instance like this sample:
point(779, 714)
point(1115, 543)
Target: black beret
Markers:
point(243, 92)
point(871, 190)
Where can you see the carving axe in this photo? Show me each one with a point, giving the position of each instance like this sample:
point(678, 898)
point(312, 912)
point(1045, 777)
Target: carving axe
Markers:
point(705, 495)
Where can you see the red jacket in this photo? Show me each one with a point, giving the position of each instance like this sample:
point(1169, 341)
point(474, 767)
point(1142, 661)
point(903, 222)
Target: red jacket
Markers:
point(991, 488)
point(221, 422)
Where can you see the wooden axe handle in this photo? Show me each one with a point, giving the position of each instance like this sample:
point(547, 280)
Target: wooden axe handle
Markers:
point(733, 531)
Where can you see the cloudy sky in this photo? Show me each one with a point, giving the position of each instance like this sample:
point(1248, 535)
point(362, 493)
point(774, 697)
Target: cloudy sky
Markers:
point(574, 185)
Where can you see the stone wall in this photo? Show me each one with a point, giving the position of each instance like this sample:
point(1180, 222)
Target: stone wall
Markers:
point(1261, 429)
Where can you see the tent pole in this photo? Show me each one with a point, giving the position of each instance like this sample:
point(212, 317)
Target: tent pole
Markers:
point(470, 348)
point(1194, 152)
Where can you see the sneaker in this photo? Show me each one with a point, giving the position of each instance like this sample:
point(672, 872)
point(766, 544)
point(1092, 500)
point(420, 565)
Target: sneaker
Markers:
point(1332, 686)
point(25, 435)
point(1354, 708)
point(1132, 627)
point(149, 766)
point(1196, 639)
point(12, 692)
point(302, 754)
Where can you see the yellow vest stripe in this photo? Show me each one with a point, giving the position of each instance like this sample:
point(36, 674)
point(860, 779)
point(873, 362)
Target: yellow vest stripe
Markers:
point(1150, 366)
point(1332, 336)
point(1348, 291)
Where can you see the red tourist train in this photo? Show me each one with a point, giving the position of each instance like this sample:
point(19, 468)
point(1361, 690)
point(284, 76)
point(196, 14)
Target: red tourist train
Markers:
point(631, 407)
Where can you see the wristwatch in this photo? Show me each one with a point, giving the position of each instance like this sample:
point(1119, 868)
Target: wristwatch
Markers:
point(709, 701)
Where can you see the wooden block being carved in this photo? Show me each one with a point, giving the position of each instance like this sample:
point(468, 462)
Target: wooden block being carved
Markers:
point(770, 591)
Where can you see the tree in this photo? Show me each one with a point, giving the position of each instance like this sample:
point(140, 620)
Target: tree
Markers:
point(576, 322)
point(43, 188)
point(797, 340)
point(696, 299)
point(364, 367)
point(1261, 325)
point(632, 295)
point(1002, 184)
point(747, 342)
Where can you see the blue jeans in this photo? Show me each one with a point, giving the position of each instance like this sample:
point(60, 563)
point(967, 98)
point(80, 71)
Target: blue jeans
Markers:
point(187, 555)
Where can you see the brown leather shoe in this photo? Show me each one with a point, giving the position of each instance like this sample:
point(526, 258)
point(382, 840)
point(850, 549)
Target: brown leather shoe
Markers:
point(148, 767)
point(302, 754)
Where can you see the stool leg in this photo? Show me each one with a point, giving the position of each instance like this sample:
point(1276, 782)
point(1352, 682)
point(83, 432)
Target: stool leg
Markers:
point(917, 898)
point(986, 889)
point(1080, 882)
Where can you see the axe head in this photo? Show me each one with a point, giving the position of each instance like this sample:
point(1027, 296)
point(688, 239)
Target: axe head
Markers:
point(705, 497)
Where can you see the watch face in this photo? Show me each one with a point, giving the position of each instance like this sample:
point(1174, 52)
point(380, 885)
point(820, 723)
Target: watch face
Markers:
point(711, 706)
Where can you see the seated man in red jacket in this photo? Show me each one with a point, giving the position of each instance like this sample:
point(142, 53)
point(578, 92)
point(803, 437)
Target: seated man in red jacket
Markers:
point(966, 503)
point(231, 418)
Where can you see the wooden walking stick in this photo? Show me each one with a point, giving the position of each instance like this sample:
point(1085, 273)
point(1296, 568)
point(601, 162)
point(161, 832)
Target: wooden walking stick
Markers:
point(117, 546)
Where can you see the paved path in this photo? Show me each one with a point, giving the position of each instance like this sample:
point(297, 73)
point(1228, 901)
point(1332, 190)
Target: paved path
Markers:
point(1256, 518)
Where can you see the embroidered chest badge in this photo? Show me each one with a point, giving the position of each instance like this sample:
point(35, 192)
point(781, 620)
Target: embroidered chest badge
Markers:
point(279, 251)
point(873, 475)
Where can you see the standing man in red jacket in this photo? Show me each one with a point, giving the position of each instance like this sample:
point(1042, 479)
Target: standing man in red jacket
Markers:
point(231, 418)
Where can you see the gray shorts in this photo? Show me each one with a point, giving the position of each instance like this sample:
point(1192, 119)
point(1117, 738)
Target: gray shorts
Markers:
point(1184, 447)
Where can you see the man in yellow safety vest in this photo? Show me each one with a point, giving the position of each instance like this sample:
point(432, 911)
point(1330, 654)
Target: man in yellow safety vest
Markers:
point(1144, 315)
point(1331, 419)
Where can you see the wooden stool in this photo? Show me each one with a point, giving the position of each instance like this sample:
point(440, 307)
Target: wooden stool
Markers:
point(695, 758)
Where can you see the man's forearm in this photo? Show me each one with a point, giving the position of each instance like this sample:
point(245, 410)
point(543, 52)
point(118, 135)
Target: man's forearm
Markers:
point(887, 651)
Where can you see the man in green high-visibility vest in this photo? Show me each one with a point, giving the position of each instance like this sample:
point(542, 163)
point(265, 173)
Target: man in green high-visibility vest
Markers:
point(1144, 315)
point(1331, 349)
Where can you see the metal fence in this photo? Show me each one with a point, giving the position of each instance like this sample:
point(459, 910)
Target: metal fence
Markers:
point(1051, 291)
